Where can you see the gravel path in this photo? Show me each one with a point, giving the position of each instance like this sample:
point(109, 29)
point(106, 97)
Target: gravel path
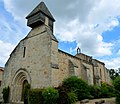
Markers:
point(107, 101)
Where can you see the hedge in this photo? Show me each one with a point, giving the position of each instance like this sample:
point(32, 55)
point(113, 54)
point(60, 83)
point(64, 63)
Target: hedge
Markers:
point(50, 95)
point(35, 96)
point(78, 86)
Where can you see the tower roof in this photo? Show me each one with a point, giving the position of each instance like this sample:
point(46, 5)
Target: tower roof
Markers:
point(41, 8)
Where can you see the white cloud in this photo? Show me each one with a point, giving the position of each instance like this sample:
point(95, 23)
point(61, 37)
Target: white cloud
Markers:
point(20, 8)
point(11, 31)
point(82, 21)
point(5, 50)
point(113, 63)
point(90, 41)
point(87, 33)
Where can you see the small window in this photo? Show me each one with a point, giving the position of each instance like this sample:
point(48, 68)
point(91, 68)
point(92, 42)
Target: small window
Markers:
point(0, 83)
point(24, 52)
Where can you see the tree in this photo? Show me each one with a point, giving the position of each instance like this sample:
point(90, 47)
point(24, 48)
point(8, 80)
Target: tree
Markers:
point(114, 73)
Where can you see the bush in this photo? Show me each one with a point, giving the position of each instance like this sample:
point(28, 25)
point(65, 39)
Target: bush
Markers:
point(63, 96)
point(95, 91)
point(78, 86)
point(103, 91)
point(107, 91)
point(116, 84)
point(117, 97)
point(35, 96)
point(6, 92)
point(72, 98)
point(50, 95)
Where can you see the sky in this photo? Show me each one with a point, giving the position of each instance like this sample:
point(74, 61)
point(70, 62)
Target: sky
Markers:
point(92, 25)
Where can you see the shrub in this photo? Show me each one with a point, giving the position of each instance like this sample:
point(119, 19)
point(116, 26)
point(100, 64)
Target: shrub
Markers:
point(63, 96)
point(107, 91)
point(78, 86)
point(6, 92)
point(35, 96)
point(26, 92)
point(116, 84)
point(95, 91)
point(72, 98)
point(118, 98)
point(103, 91)
point(50, 95)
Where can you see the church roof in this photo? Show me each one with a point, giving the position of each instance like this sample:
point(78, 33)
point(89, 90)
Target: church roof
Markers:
point(41, 8)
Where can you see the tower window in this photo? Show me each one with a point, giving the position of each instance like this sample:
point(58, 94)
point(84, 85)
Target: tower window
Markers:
point(24, 51)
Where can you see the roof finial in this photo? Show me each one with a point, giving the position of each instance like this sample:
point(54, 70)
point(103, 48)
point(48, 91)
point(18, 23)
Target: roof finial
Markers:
point(78, 50)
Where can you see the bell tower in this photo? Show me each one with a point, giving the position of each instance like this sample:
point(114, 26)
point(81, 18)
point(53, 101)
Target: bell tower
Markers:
point(39, 16)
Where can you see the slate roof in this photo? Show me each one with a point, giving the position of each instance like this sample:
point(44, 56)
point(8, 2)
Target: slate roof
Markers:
point(41, 8)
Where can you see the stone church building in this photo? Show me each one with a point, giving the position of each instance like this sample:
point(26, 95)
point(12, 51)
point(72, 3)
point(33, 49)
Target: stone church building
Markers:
point(38, 61)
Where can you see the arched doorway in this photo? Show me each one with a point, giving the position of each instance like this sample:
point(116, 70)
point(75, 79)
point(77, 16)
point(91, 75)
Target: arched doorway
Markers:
point(20, 79)
point(25, 82)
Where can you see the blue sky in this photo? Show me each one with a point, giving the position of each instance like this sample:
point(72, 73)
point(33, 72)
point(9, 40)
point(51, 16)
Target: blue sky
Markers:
point(92, 25)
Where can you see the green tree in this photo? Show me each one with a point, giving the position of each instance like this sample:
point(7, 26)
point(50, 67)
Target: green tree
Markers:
point(114, 73)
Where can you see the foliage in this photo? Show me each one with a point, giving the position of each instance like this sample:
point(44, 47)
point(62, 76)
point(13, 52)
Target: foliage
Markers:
point(6, 92)
point(50, 95)
point(107, 91)
point(71, 90)
point(118, 98)
point(26, 92)
point(72, 98)
point(35, 96)
point(103, 91)
point(78, 86)
point(116, 84)
point(95, 91)
point(63, 96)
point(114, 73)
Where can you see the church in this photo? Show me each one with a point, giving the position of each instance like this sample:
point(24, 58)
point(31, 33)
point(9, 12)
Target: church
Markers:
point(38, 61)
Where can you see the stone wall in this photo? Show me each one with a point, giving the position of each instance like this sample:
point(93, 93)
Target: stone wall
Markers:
point(64, 70)
point(107, 76)
point(31, 61)
point(101, 72)
point(89, 72)
point(36, 60)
